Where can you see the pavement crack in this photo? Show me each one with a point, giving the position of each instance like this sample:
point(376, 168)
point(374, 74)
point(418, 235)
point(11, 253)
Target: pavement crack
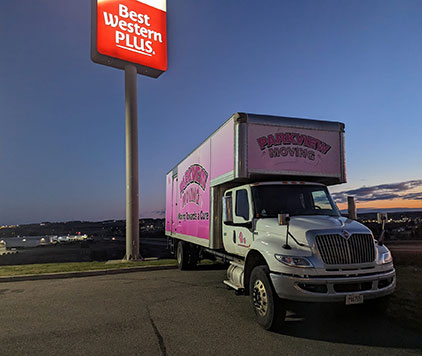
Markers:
point(158, 334)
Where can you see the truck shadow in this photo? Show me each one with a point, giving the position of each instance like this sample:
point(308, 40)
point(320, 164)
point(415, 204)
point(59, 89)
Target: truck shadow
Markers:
point(211, 267)
point(349, 325)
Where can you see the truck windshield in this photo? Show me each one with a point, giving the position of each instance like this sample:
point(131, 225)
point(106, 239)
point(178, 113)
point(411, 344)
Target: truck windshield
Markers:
point(271, 200)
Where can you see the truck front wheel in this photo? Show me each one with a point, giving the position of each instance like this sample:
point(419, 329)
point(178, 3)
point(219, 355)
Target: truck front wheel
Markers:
point(268, 308)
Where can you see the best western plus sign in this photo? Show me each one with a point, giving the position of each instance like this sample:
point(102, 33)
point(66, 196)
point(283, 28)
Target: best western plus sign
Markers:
point(130, 35)
point(132, 31)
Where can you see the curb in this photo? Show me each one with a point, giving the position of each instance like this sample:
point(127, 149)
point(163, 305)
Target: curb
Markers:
point(63, 275)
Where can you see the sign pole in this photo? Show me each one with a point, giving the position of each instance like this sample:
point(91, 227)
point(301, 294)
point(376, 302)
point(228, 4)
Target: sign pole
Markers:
point(132, 173)
point(119, 40)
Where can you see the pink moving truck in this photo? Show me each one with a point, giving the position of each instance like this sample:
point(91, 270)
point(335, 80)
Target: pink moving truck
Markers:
point(254, 194)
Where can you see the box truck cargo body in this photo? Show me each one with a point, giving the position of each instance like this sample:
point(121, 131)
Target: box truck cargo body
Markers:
point(259, 148)
point(254, 193)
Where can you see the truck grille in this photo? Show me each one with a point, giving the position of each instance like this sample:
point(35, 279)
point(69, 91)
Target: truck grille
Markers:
point(336, 250)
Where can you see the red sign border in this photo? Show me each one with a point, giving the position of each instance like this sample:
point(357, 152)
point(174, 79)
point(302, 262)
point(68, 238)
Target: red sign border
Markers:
point(99, 58)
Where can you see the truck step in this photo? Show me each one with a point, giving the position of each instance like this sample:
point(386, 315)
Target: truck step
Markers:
point(231, 285)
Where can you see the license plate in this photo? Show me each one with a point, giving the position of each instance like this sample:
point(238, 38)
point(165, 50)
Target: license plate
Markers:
point(354, 299)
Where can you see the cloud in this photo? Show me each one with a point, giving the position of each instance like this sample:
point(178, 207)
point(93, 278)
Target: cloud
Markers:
point(382, 192)
point(412, 196)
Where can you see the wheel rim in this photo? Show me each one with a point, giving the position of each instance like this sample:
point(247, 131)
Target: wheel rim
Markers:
point(260, 297)
point(179, 253)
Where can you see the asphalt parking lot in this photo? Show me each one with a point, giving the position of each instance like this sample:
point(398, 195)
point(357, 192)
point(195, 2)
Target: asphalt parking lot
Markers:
point(177, 313)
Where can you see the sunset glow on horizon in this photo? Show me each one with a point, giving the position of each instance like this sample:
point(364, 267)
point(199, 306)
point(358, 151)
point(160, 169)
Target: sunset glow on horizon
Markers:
point(383, 204)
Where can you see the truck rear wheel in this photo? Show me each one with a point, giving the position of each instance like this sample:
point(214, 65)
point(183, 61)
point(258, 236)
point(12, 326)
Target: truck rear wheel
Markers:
point(186, 255)
point(193, 257)
point(182, 255)
point(267, 306)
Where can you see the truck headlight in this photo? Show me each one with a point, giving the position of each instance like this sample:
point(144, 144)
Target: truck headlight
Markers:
point(293, 261)
point(386, 257)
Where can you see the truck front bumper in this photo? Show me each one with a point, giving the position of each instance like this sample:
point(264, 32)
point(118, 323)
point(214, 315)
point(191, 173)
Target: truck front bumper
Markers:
point(333, 288)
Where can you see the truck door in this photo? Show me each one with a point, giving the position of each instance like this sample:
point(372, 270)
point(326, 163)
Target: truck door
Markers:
point(174, 205)
point(237, 231)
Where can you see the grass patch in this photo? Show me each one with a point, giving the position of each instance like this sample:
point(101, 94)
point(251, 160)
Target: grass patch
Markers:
point(42, 268)
point(19, 270)
point(402, 258)
point(405, 306)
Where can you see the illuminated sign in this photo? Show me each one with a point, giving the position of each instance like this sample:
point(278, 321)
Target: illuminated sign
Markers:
point(130, 31)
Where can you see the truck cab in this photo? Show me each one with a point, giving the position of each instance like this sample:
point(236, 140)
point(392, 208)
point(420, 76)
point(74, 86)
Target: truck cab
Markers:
point(317, 255)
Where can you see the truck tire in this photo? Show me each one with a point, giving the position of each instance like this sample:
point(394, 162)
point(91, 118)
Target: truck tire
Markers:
point(193, 257)
point(268, 308)
point(182, 255)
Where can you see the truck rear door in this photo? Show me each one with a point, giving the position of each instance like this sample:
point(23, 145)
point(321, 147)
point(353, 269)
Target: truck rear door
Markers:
point(174, 217)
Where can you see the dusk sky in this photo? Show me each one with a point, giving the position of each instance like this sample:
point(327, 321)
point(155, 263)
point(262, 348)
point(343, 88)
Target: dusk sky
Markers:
point(62, 149)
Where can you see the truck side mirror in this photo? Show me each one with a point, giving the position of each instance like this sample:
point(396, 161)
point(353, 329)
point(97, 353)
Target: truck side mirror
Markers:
point(227, 209)
point(283, 219)
point(381, 217)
